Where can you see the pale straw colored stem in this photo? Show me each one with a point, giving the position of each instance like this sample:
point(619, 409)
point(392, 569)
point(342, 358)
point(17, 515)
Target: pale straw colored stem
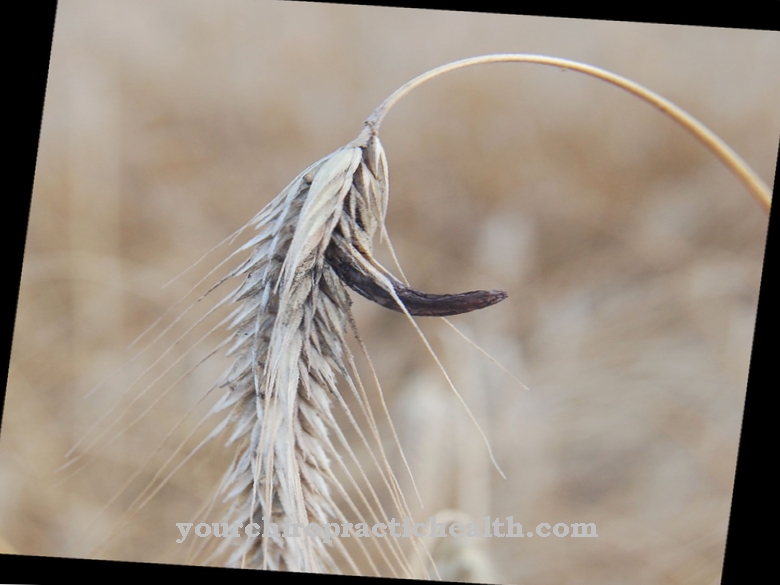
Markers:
point(758, 189)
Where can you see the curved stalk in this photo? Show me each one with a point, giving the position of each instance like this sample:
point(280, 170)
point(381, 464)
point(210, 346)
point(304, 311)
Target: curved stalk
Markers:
point(757, 188)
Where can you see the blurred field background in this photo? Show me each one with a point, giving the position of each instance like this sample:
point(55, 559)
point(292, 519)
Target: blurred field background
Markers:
point(632, 260)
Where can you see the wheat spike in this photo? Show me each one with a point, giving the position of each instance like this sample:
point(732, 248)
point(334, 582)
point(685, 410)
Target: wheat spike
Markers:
point(289, 346)
point(288, 332)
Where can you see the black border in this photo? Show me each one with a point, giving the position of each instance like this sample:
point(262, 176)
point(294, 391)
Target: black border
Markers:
point(761, 16)
point(750, 524)
point(25, 88)
point(749, 535)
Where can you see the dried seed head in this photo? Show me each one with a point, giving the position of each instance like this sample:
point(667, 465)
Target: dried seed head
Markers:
point(289, 345)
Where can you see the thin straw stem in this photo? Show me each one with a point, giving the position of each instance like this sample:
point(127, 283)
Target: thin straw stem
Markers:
point(757, 188)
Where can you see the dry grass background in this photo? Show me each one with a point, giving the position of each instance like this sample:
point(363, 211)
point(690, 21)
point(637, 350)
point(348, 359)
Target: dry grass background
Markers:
point(631, 257)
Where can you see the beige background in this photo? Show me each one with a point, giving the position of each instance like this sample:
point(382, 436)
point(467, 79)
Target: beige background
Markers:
point(632, 260)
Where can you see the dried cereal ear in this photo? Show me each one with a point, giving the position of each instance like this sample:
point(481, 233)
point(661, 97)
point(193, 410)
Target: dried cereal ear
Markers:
point(288, 333)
